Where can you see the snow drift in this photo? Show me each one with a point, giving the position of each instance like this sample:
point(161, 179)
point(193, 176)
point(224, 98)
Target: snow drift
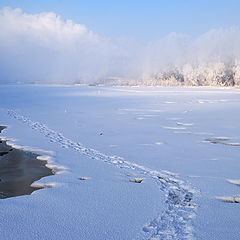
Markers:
point(43, 48)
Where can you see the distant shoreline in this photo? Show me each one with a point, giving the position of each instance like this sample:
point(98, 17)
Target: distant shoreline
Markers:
point(122, 85)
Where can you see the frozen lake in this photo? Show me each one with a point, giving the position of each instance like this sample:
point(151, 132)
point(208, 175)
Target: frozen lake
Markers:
point(182, 143)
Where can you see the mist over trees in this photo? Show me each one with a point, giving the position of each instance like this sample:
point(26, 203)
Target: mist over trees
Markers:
point(212, 74)
point(45, 49)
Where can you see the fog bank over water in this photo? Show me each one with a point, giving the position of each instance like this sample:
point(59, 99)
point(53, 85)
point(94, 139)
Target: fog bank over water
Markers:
point(43, 48)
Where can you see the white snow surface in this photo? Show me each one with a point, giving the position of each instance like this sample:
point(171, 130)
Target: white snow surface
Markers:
point(183, 142)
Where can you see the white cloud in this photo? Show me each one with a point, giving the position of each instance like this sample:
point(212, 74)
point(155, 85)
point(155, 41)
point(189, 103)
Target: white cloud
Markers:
point(46, 29)
point(44, 48)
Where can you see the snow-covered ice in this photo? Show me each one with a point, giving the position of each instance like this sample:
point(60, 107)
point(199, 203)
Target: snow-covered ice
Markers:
point(145, 155)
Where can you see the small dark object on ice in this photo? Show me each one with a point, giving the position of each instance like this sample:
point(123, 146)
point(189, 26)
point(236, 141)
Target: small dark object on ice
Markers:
point(136, 180)
point(83, 178)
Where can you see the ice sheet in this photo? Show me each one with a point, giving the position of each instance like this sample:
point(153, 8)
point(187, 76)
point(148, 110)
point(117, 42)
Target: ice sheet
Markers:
point(178, 140)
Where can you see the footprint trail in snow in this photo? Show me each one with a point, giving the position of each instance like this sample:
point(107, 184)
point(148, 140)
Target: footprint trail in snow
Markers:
point(174, 223)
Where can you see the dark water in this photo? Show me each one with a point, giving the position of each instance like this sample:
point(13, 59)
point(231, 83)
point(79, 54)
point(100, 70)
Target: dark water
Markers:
point(18, 170)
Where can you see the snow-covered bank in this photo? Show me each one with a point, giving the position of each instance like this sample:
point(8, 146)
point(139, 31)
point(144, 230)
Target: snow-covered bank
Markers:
point(178, 140)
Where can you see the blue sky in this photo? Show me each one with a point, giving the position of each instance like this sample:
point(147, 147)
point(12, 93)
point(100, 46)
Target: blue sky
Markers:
point(140, 19)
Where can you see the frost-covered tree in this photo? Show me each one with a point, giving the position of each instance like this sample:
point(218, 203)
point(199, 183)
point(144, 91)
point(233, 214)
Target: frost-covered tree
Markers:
point(236, 72)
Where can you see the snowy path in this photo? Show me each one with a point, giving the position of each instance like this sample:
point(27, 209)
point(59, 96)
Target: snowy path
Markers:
point(174, 223)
